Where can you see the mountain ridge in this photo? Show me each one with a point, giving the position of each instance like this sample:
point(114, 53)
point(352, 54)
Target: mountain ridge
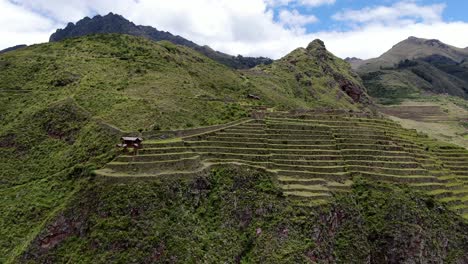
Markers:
point(62, 102)
point(414, 48)
point(114, 23)
point(415, 66)
point(13, 48)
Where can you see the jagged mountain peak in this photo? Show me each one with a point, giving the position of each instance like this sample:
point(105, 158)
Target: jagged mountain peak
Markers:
point(316, 44)
point(115, 23)
point(311, 65)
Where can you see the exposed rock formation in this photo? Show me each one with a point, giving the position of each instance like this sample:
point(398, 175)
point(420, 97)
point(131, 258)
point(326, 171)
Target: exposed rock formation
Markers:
point(113, 23)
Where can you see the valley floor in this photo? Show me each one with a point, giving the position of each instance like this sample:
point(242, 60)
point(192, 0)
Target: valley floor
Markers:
point(442, 117)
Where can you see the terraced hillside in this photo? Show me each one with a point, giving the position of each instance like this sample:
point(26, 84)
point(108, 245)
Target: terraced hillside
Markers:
point(313, 156)
point(441, 117)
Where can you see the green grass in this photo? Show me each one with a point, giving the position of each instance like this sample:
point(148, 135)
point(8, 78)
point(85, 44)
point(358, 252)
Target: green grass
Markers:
point(64, 105)
point(238, 214)
point(63, 108)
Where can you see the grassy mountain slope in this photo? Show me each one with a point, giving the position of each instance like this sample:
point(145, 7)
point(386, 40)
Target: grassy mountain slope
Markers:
point(64, 105)
point(316, 76)
point(113, 23)
point(237, 215)
point(441, 117)
point(414, 48)
point(158, 85)
point(13, 48)
point(414, 67)
point(424, 84)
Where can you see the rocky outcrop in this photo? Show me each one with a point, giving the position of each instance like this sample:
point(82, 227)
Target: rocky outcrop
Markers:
point(353, 90)
point(342, 75)
point(113, 23)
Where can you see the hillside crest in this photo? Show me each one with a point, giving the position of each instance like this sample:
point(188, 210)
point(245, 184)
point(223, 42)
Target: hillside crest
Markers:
point(114, 23)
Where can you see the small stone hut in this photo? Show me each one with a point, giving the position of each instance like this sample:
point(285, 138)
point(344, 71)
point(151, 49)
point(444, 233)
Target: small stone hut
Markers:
point(131, 142)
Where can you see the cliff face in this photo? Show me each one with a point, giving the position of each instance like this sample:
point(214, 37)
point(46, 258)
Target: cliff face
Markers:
point(113, 23)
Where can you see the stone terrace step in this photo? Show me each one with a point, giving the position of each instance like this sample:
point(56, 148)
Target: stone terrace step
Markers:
point(170, 150)
point(296, 126)
point(155, 144)
point(297, 132)
point(308, 162)
point(450, 150)
point(243, 130)
point(299, 136)
point(237, 139)
point(262, 164)
point(155, 157)
point(456, 163)
point(237, 156)
point(369, 146)
point(393, 158)
point(452, 159)
point(238, 144)
point(385, 164)
point(453, 154)
point(365, 141)
point(353, 136)
point(308, 152)
point(458, 167)
point(395, 178)
point(155, 166)
point(307, 157)
point(291, 180)
point(258, 151)
point(388, 171)
point(301, 187)
point(305, 147)
point(240, 134)
point(307, 194)
point(314, 175)
point(291, 142)
point(324, 169)
point(372, 152)
point(427, 186)
point(359, 129)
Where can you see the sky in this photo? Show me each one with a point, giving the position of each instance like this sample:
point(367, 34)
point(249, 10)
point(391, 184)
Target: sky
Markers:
point(271, 28)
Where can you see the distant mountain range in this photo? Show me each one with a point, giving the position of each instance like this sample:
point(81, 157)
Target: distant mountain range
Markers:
point(415, 66)
point(13, 48)
point(113, 23)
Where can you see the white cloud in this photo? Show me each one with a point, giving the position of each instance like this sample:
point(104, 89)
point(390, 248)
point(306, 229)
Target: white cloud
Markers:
point(244, 27)
point(373, 40)
point(404, 12)
point(19, 26)
point(295, 21)
point(308, 3)
point(316, 2)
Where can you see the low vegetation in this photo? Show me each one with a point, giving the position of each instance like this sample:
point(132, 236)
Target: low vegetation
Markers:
point(64, 106)
point(236, 214)
point(441, 117)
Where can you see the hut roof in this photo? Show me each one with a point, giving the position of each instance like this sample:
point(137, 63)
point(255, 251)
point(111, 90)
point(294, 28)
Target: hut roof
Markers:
point(132, 139)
